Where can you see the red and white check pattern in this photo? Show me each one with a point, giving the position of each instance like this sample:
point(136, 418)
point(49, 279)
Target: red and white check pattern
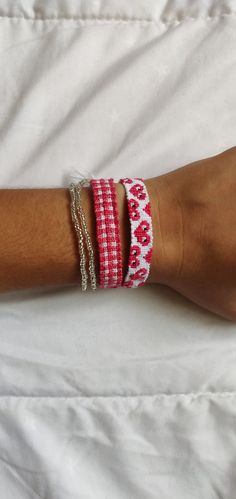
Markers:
point(108, 233)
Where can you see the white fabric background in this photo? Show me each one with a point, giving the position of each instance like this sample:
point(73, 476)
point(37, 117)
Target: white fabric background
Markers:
point(119, 394)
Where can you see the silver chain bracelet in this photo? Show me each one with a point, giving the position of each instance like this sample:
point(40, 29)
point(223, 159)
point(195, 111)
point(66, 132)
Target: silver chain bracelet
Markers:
point(84, 276)
point(79, 220)
point(92, 272)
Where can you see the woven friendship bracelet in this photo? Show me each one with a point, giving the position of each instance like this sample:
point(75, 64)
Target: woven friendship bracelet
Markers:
point(108, 234)
point(116, 236)
point(141, 247)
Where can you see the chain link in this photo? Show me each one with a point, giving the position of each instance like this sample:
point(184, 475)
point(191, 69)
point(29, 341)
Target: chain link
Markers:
point(92, 272)
point(79, 232)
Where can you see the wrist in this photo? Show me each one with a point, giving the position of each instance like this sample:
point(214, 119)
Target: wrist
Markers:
point(166, 230)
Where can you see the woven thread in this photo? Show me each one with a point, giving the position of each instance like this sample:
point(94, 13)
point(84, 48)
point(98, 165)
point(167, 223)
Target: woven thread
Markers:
point(141, 246)
point(107, 231)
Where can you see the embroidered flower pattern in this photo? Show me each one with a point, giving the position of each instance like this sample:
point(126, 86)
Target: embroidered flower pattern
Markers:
point(138, 191)
point(140, 274)
point(133, 206)
point(148, 256)
point(141, 232)
point(147, 209)
point(134, 261)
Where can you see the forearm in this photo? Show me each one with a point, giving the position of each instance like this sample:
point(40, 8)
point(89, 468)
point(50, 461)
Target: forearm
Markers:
point(194, 251)
point(38, 244)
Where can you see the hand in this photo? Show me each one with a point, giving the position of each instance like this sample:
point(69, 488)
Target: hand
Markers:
point(194, 213)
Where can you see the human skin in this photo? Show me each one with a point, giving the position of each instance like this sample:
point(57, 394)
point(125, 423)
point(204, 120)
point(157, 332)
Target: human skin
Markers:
point(194, 213)
point(202, 247)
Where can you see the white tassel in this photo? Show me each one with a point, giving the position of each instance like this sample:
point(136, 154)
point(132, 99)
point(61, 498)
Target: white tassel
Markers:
point(78, 175)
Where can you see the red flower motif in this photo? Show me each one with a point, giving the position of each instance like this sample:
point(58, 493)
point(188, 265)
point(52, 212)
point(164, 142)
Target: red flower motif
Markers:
point(147, 209)
point(133, 206)
point(137, 191)
point(148, 256)
point(141, 233)
point(133, 259)
point(139, 275)
point(135, 250)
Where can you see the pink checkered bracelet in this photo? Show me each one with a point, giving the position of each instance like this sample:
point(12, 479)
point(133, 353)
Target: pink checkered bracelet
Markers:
point(108, 233)
point(141, 247)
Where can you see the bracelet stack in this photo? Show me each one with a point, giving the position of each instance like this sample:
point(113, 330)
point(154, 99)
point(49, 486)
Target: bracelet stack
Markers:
point(110, 272)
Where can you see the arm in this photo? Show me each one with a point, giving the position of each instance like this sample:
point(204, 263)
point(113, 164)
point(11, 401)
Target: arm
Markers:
point(38, 244)
point(193, 211)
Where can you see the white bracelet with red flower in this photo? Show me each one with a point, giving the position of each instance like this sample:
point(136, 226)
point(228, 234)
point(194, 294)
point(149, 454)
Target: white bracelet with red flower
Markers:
point(141, 246)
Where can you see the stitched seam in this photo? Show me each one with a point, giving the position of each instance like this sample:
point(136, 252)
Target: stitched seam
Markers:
point(113, 20)
point(160, 396)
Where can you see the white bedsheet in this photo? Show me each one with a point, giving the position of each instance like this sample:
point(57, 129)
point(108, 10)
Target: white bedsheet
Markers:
point(122, 394)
